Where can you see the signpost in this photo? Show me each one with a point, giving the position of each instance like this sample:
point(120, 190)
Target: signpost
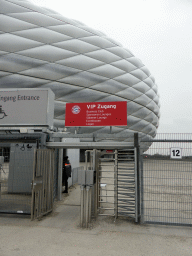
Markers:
point(96, 114)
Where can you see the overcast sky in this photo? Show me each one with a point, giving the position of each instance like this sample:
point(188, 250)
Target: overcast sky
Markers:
point(159, 32)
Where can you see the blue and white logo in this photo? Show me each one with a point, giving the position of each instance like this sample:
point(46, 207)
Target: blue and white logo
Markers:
point(76, 109)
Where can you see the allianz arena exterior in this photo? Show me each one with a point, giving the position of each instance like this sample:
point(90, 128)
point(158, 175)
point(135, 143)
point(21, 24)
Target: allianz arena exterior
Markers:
point(39, 48)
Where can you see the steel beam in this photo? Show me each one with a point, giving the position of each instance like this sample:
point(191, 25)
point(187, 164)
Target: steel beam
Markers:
point(89, 135)
point(168, 140)
point(89, 145)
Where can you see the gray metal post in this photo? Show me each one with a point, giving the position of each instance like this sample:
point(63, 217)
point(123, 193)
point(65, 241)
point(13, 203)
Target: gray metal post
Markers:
point(136, 185)
point(116, 186)
point(90, 192)
point(87, 206)
point(43, 140)
point(86, 159)
point(82, 206)
point(94, 188)
point(137, 177)
point(141, 195)
point(60, 166)
point(91, 159)
point(96, 182)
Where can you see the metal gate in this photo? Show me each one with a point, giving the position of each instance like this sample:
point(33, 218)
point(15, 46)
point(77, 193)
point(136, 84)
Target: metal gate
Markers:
point(127, 184)
point(26, 179)
point(116, 183)
point(42, 184)
point(106, 183)
point(166, 180)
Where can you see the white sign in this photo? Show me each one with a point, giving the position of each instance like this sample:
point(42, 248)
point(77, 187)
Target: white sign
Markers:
point(26, 107)
point(176, 153)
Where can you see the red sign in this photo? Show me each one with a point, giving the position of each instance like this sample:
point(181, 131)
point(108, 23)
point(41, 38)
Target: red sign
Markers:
point(109, 151)
point(96, 114)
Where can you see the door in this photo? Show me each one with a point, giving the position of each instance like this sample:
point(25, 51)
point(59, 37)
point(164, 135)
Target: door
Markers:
point(42, 183)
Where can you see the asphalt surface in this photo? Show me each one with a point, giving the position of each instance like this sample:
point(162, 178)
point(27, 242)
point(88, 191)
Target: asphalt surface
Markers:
point(59, 234)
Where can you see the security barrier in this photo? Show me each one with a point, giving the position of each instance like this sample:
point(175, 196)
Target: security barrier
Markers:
point(109, 186)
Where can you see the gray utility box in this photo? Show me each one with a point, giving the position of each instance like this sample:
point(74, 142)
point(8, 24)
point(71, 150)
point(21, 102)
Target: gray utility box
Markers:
point(26, 107)
point(86, 177)
point(21, 167)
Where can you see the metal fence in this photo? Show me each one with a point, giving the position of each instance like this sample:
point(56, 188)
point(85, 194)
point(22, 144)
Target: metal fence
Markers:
point(166, 180)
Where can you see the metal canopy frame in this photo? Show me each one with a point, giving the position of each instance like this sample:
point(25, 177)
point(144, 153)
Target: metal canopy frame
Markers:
point(88, 135)
point(89, 145)
point(96, 142)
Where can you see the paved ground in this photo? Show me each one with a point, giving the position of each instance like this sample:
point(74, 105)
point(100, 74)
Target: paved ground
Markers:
point(59, 234)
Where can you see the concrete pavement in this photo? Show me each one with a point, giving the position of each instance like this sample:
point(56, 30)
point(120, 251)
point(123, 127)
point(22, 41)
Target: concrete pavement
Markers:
point(59, 234)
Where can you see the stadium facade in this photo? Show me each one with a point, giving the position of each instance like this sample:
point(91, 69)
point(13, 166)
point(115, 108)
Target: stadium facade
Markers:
point(40, 48)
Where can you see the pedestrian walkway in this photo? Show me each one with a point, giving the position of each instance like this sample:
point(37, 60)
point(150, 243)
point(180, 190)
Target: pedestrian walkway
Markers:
point(59, 234)
point(66, 215)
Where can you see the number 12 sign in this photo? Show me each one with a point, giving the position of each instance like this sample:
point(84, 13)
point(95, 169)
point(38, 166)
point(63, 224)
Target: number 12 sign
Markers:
point(176, 153)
